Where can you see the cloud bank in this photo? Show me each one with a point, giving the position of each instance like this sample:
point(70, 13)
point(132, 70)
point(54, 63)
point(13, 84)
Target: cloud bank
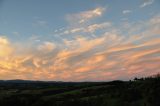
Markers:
point(94, 52)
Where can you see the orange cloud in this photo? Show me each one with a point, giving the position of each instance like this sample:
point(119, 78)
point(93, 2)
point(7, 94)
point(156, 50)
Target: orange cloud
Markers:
point(47, 46)
point(110, 55)
point(5, 47)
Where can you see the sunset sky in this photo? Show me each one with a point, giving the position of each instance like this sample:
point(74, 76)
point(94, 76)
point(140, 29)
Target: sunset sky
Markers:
point(79, 40)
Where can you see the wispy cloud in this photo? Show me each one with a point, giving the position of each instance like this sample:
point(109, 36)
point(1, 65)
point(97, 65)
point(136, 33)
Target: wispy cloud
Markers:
point(107, 56)
point(91, 28)
point(40, 23)
point(85, 16)
point(146, 3)
point(126, 11)
point(47, 47)
point(5, 46)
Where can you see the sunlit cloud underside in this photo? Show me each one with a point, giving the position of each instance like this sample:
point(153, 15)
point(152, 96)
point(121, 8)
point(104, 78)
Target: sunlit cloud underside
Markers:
point(94, 51)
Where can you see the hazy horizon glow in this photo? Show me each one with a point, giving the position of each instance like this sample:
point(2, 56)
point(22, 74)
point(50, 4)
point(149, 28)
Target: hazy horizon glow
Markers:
point(88, 40)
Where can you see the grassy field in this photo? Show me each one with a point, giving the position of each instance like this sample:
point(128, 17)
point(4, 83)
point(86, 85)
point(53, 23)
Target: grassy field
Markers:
point(138, 92)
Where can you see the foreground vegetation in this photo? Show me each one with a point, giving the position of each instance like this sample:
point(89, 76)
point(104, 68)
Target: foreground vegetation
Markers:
point(138, 92)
